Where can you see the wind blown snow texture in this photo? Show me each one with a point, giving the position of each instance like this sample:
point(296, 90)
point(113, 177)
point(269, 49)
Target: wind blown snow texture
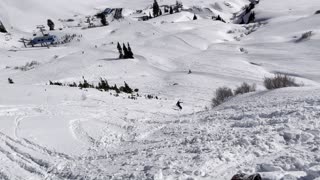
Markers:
point(52, 132)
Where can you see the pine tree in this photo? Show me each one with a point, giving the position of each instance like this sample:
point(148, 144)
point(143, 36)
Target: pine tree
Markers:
point(50, 24)
point(242, 21)
point(252, 17)
point(120, 51)
point(2, 28)
point(104, 21)
point(130, 53)
point(127, 89)
point(116, 89)
point(171, 10)
point(195, 17)
point(155, 9)
point(220, 19)
point(103, 85)
point(125, 51)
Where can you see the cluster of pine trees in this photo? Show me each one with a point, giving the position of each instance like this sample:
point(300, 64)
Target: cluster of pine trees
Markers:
point(156, 10)
point(124, 51)
point(249, 10)
point(103, 85)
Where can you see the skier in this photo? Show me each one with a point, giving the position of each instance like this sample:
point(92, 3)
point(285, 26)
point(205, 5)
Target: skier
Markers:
point(179, 105)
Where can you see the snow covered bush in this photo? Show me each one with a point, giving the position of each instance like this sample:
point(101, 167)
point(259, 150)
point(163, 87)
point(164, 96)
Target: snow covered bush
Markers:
point(245, 88)
point(222, 94)
point(279, 81)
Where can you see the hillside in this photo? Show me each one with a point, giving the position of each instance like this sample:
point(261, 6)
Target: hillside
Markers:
point(62, 132)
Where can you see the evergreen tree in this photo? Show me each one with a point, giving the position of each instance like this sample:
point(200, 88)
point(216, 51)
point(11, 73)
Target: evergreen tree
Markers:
point(127, 89)
point(171, 10)
point(195, 17)
point(130, 53)
point(242, 21)
point(125, 51)
point(247, 9)
point(252, 17)
point(50, 24)
point(103, 85)
point(156, 8)
point(116, 89)
point(220, 19)
point(120, 51)
point(2, 28)
point(103, 20)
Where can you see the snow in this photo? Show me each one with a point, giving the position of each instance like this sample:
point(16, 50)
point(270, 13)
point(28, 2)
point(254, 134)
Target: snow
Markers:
point(54, 132)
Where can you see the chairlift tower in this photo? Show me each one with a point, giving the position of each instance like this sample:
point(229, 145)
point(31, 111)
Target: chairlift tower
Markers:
point(42, 29)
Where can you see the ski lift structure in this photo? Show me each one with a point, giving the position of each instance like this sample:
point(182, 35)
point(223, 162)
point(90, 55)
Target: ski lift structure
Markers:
point(45, 40)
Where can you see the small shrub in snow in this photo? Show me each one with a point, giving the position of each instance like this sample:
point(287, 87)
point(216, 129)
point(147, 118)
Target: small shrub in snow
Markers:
point(317, 12)
point(222, 94)
point(10, 81)
point(245, 88)
point(279, 81)
point(28, 66)
point(305, 36)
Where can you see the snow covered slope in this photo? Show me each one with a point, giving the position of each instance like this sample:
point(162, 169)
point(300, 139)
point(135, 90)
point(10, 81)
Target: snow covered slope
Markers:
point(53, 132)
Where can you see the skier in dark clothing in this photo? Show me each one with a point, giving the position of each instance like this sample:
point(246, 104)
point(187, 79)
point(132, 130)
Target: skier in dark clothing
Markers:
point(179, 105)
